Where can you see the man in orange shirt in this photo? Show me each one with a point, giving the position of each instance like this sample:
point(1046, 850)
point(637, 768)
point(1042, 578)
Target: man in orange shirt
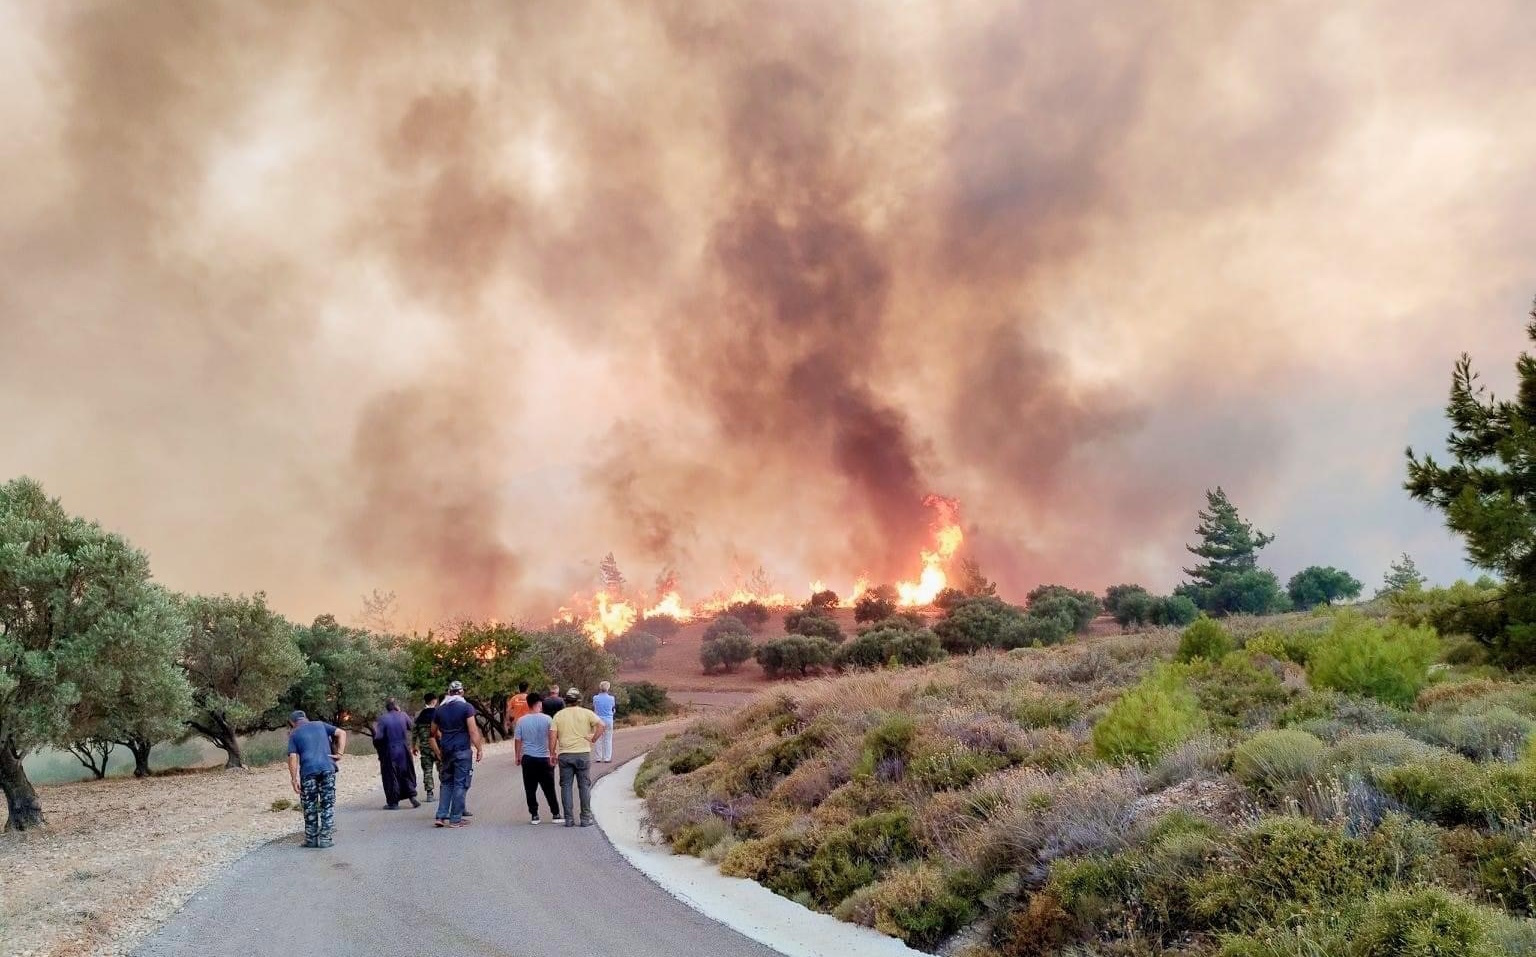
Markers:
point(517, 707)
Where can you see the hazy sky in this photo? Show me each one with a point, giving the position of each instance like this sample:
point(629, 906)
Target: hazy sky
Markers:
point(452, 299)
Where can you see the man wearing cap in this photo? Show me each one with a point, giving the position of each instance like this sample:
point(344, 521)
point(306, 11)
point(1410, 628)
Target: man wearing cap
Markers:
point(454, 735)
point(314, 747)
point(570, 739)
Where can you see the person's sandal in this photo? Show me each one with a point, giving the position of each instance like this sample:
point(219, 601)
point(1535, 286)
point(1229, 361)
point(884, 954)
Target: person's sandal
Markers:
point(440, 823)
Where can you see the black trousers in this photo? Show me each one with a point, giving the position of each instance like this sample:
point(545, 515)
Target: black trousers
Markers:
point(398, 773)
point(538, 773)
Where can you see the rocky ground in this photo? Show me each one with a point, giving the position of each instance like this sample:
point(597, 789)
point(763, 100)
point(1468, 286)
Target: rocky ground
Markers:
point(120, 856)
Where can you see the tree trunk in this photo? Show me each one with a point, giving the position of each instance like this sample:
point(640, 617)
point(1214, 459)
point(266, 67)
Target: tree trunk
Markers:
point(230, 742)
point(23, 811)
point(140, 749)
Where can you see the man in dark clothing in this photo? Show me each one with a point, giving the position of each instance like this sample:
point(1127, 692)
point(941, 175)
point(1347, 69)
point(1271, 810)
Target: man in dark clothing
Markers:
point(553, 702)
point(314, 747)
point(392, 740)
point(422, 743)
point(455, 734)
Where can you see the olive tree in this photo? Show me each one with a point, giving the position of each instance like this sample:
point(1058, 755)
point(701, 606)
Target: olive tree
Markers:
point(240, 658)
point(80, 621)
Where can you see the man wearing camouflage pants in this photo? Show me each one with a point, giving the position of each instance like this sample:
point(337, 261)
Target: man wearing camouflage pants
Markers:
point(423, 732)
point(314, 747)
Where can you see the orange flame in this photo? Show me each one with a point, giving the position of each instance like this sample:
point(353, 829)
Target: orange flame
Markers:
point(607, 616)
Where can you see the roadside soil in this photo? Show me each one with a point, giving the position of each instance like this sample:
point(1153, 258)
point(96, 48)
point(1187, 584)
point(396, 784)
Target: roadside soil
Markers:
point(120, 856)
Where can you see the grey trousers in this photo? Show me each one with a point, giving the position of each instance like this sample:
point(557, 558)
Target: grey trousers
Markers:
point(578, 767)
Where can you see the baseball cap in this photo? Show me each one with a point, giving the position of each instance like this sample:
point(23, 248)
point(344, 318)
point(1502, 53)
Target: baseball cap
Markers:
point(572, 694)
point(298, 716)
point(455, 687)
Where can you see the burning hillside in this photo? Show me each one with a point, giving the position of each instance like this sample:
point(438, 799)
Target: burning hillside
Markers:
point(615, 607)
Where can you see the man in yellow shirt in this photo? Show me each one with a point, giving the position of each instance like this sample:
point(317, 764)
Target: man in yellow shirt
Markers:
point(571, 737)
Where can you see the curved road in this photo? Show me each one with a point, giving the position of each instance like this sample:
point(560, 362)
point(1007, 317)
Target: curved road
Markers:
point(396, 885)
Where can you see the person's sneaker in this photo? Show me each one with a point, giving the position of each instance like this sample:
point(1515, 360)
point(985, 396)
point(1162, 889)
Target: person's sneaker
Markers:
point(467, 814)
point(430, 796)
point(326, 844)
point(534, 819)
point(440, 822)
point(588, 822)
point(459, 824)
point(310, 844)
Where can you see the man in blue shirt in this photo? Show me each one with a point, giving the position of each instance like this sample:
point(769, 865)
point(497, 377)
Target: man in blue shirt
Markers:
point(314, 747)
point(530, 738)
point(604, 705)
point(454, 735)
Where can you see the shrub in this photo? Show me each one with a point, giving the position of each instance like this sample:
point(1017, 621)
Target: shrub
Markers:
point(1478, 731)
point(662, 626)
point(726, 651)
point(282, 804)
point(794, 654)
point(645, 697)
point(826, 598)
point(1384, 660)
point(813, 623)
point(975, 623)
point(876, 604)
point(1235, 692)
point(853, 856)
point(1174, 611)
point(1204, 639)
point(1367, 756)
point(725, 625)
point(1149, 719)
point(754, 614)
point(1427, 922)
point(887, 747)
point(890, 644)
point(916, 903)
point(636, 648)
point(1078, 608)
point(1272, 760)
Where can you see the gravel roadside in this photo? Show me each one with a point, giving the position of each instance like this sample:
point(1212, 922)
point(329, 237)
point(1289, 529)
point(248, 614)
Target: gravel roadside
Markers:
point(122, 855)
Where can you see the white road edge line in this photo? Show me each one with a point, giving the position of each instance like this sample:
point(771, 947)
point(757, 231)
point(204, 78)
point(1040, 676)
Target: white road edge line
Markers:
point(746, 907)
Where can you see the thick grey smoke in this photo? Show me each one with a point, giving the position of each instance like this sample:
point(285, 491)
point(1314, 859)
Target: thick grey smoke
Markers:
point(456, 299)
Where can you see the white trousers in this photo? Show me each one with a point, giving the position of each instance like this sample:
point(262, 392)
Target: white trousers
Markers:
point(603, 749)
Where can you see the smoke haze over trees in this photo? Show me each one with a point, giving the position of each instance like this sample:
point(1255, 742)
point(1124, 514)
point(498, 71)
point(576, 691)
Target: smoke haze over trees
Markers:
point(442, 299)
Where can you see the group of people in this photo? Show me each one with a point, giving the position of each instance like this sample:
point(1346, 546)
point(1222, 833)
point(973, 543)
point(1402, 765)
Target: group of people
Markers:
point(549, 731)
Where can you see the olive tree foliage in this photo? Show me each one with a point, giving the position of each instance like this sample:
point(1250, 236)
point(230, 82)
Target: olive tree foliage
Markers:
point(876, 604)
point(1078, 608)
point(80, 620)
point(812, 622)
point(491, 659)
point(240, 658)
point(1317, 585)
point(347, 675)
point(727, 651)
point(1487, 493)
point(635, 648)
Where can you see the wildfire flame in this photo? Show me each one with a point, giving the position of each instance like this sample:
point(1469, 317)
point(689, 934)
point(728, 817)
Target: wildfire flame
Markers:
point(607, 615)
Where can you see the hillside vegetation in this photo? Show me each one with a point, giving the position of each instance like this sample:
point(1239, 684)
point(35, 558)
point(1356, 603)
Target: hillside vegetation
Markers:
point(1298, 785)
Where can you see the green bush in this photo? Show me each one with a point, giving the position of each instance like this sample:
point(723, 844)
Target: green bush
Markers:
point(635, 648)
point(1152, 717)
point(1427, 922)
point(794, 655)
point(917, 904)
point(1078, 608)
point(723, 626)
point(1385, 660)
point(1272, 760)
point(1174, 611)
point(1235, 692)
point(753, 614)
point(645, 697)
point(814, 622)
point(981, 622)
point(877, 604)
point(851, 857)
point(890, 644)
point(726, 651)
point(1204, 639)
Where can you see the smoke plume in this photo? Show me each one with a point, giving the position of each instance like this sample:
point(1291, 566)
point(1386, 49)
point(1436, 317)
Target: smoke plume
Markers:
point(454, 300)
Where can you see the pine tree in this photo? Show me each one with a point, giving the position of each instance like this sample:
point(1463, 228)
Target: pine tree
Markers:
point(1228, 544)
point(1488, 494)
point(613, 579)
point(1230, 579)
point(1402, 576)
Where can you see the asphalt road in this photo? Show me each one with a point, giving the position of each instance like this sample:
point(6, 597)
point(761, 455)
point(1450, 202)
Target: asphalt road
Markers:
point(395, 885)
